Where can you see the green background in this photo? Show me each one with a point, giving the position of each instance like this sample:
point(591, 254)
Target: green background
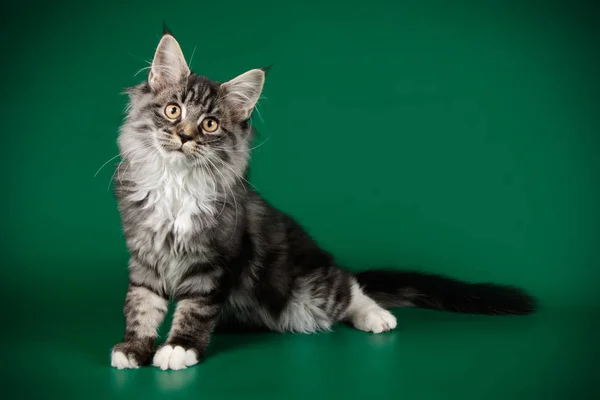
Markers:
point(459, 137)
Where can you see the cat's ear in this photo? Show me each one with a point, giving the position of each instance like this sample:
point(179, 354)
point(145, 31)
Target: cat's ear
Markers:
point(243, 91)
point(168, 65)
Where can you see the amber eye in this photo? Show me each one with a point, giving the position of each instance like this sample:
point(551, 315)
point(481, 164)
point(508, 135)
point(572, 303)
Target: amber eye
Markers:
point(209, 124)
point(173, 111)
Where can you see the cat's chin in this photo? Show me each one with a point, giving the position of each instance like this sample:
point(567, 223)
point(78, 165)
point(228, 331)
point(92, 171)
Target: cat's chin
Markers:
point(178, 157)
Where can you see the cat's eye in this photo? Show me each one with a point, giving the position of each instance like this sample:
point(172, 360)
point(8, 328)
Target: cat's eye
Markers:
point(173, 111)
point(210, 124)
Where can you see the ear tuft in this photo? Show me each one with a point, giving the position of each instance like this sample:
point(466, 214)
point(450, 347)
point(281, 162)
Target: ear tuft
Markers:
point(169, 65)
point(267, 68)
point(166, 30)
point(243, 91)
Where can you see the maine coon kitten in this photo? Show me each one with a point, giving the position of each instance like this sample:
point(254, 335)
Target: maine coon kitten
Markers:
point(198, 234)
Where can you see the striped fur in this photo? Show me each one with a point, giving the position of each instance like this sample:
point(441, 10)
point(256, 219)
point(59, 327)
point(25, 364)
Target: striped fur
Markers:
point(198, 234)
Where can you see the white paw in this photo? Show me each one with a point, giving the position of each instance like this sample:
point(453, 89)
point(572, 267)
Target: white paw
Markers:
point(169, 357)
point(119, 360)
point(375, 320)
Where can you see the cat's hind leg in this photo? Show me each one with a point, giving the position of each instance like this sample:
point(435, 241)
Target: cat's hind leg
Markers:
point(365, 314)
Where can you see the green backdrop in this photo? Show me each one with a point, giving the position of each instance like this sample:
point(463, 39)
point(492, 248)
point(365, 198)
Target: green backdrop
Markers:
point(459, 137)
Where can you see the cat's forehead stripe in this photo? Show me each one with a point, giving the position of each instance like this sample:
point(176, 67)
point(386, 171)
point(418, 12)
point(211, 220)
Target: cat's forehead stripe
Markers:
point(207, 92)
point(189, 94)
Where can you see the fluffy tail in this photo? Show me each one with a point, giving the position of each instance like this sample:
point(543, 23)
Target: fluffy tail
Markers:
point(392, 288)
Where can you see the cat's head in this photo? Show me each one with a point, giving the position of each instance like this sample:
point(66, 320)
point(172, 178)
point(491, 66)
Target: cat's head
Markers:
point(189, 119)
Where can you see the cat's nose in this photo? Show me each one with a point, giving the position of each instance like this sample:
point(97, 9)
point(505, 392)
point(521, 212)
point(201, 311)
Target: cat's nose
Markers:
point(184, 136)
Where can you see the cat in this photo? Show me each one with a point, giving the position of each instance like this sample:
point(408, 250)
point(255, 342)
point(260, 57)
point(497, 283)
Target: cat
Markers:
point(200, 235)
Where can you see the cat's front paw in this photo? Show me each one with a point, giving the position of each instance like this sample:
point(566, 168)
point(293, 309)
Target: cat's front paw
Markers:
point(130, 355)
point(174, 357)
point(119, 360)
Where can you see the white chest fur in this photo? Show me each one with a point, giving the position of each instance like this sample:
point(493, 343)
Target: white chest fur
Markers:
point(177, 201)
point(174, 195)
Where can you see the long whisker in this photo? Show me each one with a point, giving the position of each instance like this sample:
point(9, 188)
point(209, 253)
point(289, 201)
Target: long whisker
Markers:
point(249, 132)
point(142, 69)
point(258, 112)
point(140, 58)
point(143, 147)
point(232, 194)
point(192, 58)
point(256, 107)
point(190, 68)
point(113, 176)
point(117, 168)
point(104, 165)
point(214, 178)
point(153, 152)
point(241, 150)
point(236, 174)
point(146, 147)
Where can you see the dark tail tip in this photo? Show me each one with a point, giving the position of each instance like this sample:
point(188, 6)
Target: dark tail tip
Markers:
point(493, 299)
point(395, 288)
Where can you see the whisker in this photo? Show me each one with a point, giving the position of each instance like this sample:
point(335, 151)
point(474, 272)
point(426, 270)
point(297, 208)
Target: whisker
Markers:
point(140, 58)
point(129, 162)
point(142, 69)
point(155, 151)
point(258, 111)
point(232, 194)
point(104, 165)
point(241, 150)
point(113, 176)
point(192, 58)
point(214, 178)
point(236, 174)
point(117, 168)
